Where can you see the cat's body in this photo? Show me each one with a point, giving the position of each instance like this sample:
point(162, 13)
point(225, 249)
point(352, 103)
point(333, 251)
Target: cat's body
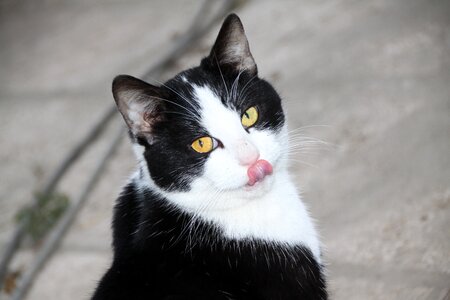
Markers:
point(212, 212)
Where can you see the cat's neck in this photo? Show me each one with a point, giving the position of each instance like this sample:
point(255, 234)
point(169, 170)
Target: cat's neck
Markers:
point(278, 215)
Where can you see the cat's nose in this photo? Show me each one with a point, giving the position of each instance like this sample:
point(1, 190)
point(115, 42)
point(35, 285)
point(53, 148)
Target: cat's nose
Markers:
point(247, 153)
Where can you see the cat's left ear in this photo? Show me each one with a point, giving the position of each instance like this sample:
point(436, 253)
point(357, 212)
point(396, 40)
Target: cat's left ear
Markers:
point(141, 105)
point(231, 48)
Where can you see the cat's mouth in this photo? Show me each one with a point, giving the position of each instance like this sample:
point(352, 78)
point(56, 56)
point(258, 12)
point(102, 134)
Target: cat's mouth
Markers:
point(258, 171)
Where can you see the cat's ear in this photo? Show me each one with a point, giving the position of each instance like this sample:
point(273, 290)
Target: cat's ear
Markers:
point(140, 104)
point(231, 47)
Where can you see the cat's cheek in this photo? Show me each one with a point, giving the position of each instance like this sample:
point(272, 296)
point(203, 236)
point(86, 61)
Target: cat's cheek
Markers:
point(224, 172)
point(268, 144)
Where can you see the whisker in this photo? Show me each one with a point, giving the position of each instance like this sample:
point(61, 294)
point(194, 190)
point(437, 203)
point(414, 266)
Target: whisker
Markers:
point(242, 93)
point(302, 162)
point(178, 113)
point(221, 74)
point(235, 85)
point(178, 93)
point(307, 127)
point(181, 106)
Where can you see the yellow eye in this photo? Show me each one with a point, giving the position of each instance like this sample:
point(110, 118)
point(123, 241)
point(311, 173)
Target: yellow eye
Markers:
point(249, 117)
point(204, 144)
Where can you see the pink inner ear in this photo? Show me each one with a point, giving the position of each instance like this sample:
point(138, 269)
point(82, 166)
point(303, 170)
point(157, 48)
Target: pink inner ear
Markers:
point(258, 171)
point(150, 118)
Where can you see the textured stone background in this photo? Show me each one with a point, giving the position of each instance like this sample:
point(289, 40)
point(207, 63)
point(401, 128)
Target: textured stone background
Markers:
point(376, 74)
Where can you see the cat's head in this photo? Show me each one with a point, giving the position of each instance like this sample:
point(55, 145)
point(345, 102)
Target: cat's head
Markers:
point(213, 130)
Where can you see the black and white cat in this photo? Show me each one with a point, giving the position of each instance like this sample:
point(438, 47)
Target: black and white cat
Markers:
point(212, 212)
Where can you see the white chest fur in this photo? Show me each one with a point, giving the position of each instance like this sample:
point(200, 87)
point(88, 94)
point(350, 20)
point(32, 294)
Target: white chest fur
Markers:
point(278, 215)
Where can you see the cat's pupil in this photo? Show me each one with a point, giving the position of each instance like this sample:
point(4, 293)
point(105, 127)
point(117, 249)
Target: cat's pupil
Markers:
point(200, 143)
point(247, 115)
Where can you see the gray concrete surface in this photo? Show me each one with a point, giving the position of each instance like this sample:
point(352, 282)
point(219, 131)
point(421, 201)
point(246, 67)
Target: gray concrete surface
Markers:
point(376, 73)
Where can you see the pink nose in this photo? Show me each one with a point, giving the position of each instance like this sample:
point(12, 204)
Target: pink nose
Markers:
point(247, 153)
point(258, 171)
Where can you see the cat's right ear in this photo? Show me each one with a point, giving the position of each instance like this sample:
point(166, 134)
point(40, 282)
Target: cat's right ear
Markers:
point(140, 103)
point(231, 48)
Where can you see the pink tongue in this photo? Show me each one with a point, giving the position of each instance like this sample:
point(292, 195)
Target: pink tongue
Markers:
point(258, 171)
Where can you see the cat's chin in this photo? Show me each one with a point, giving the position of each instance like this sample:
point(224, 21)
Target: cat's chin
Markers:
point(250, 191)
point(256, 190)
point(263, 184)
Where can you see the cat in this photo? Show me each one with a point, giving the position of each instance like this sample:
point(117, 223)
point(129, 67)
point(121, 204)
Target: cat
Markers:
point(211, 212)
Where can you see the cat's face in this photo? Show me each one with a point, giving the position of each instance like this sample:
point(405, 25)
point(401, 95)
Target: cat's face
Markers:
point(212, 130)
